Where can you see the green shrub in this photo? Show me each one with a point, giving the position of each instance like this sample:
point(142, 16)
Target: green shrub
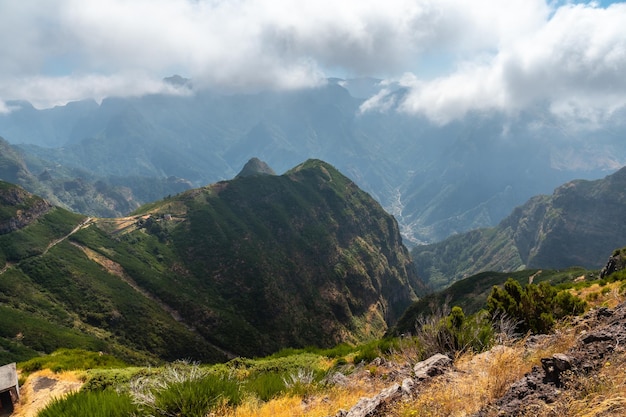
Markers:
point(455, 332)
point(194, 398)
point(91, 404)
point(534, 307)
point(184, 390)
point(371, 350)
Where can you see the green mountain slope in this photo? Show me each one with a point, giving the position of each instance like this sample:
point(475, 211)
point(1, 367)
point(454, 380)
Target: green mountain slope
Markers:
point(577, 225)
point(241, 267)
point(77, 189)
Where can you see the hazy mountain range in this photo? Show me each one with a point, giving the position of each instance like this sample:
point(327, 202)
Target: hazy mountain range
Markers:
point(437, 180)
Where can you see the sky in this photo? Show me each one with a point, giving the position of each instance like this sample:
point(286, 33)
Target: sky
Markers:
point(452, 56)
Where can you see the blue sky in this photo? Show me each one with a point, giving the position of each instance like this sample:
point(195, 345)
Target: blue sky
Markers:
point(453, 56)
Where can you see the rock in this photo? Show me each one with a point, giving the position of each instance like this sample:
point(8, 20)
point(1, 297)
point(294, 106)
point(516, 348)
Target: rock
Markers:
point(600, 336)
point(562, 361)
point(435, 365)
point(378, 361)
point(408, 384)
point(543, 386)
point(369, 406)
point(553, 367)
point(374, 406)
point(337, 378)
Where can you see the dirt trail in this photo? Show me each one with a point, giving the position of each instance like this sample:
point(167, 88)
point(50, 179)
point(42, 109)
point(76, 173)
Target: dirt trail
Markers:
point(82, 225)
point(116, 269)
point(42, 387)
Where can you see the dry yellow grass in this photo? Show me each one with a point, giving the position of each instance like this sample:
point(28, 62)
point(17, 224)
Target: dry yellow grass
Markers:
point(596, 295)
point(603, 394)
point(323, 404)
point(480, 379)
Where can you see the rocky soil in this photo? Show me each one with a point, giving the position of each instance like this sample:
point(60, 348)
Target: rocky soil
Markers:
point(43, 386)
point(600, 341)
point(603, 337)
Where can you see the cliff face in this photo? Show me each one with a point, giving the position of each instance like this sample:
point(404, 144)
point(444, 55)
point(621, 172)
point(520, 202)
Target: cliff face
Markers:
point(577, 225)
point(19, 208)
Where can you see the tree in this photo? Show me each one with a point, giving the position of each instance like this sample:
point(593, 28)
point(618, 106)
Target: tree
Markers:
point(535, 307)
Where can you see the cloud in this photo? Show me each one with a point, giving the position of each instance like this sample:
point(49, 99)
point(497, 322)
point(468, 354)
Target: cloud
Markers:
point(573, 64)
point(486, 55)
point(46, 92)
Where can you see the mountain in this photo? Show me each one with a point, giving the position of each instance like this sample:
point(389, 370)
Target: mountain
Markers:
point(79, 190)
point(255, 167)
point(240, 267)
point(577, 225)
point(437, 180)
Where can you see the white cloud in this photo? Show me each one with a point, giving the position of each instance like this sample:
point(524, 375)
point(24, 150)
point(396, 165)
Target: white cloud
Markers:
point(47, 92)
point(574, 64)
point(489, 54)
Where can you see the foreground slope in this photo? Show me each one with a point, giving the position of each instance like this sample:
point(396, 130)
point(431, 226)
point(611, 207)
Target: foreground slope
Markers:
point(241, 267)
point(577, 225)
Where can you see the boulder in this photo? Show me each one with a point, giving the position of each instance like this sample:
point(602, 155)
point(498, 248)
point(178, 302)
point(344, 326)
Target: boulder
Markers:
point(435, 365)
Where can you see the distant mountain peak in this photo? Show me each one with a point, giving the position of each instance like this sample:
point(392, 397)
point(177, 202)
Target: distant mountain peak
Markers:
point(255, 167)
point(178, 81)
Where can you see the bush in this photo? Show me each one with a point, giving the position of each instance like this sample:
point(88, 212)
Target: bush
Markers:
point(454, 332)
point(534, 307)
point(194, 398)
point(371, 350)
point(265, 385)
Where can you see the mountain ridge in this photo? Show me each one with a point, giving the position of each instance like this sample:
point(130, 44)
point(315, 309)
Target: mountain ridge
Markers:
point(437, 180)
point(576, 225)
point(248, 266)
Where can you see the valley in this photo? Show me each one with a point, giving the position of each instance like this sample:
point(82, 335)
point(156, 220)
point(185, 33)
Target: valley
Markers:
point(106, 159)
point(207, 275)
point(312, 209)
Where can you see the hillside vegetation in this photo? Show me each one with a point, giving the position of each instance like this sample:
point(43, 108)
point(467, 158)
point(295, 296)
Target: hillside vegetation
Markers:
point(492, 364)
point(241, 267)
point(576, 226)
point(79, 190)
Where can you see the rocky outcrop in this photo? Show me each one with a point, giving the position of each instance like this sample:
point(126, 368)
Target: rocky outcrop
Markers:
point(577, 225)
point(544, 385)
point(422, 372)
point(616, 262)
point(255, 167)
point(21, 208)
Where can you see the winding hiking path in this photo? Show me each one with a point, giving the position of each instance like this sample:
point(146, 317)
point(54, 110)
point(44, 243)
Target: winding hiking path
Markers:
point(85, 223)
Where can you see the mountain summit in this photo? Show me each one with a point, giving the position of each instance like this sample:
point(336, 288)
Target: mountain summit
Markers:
point(240, 267)
point(255, 167)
